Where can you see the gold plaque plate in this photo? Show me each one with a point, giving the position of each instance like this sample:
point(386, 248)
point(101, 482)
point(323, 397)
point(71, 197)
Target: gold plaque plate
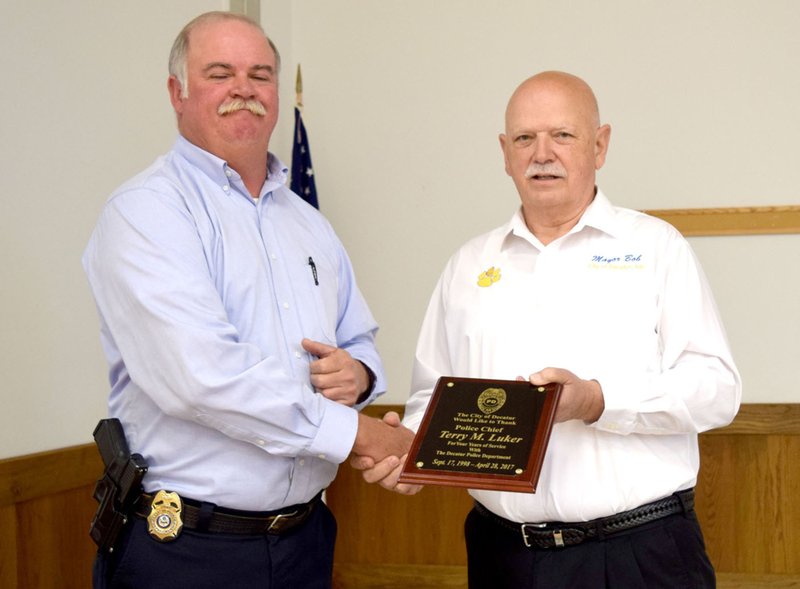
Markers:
point(483, 434)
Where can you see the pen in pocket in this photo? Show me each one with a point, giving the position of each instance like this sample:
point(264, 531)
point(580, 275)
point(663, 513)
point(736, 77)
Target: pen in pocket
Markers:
point(313, 269)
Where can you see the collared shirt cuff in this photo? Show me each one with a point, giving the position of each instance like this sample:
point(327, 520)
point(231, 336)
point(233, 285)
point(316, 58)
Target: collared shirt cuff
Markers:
point(336, 434)
point(617, 416)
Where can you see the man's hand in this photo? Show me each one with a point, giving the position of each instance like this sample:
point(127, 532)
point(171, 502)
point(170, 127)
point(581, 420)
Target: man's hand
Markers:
point(580, 399)
point(385, 472)
point(378, 439)
point(336, 374)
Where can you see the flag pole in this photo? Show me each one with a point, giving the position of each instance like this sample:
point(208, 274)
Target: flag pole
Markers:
point(298, 88)
point(302, 177)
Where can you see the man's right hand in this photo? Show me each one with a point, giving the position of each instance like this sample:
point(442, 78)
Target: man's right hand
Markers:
point(385, 471)
point(378, 439)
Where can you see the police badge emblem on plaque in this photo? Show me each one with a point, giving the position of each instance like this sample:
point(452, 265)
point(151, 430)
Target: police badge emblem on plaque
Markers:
point(491, 400)
point(164, 522)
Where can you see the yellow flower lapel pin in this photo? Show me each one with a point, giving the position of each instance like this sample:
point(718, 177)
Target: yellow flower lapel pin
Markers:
point(489, 277)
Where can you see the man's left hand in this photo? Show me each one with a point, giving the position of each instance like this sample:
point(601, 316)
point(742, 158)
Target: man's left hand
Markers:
point(336, 374)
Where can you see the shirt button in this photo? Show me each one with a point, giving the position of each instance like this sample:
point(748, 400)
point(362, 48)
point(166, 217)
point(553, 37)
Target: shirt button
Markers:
point(228, 173)
point(261, 443)
point(298, 355)
point(321, 456)
point(285, 305)
point(273, 256)
point(226, 188)
point(302, 462)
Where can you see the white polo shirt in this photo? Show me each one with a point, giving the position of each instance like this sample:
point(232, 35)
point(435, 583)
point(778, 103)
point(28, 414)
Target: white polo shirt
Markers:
point(621, 299)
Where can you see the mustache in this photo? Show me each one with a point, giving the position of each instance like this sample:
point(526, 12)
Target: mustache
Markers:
point(237, 104)
point(545, 170)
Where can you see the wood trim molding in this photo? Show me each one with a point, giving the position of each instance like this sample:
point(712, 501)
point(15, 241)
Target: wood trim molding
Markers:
point(384, 576)
point(732, 221)
point(764, 419)
point(36, 475)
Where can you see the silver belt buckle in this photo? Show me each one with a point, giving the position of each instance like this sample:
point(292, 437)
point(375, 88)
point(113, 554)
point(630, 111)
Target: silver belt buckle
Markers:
point(558, 536)
point(525, 536)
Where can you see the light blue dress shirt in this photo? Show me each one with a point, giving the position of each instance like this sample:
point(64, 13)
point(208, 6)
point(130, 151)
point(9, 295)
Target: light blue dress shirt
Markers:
point(204, 295)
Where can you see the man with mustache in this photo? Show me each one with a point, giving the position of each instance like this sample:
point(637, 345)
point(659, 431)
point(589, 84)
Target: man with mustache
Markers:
point(239, 345)
point(612, 304)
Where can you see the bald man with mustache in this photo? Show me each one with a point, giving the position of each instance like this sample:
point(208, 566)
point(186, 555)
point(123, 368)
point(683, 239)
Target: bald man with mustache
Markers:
point(612, 304)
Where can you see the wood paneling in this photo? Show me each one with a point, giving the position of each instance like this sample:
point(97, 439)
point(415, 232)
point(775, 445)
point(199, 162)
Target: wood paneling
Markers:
point(45, 473)
point(8, 546)
point(749, 478)
point(53, 539)
point(378, 527)
point(45, 508)
point(44, 542)
point(747, 489)
point(746, 500)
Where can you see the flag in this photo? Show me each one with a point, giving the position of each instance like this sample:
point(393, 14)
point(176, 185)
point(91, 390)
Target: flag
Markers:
point(302, 179)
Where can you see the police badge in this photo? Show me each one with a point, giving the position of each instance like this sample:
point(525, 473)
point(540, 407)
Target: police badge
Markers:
point(491, 400)
point(164, 522)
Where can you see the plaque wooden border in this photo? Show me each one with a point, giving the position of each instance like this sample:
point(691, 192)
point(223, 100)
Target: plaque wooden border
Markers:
point(524, 482)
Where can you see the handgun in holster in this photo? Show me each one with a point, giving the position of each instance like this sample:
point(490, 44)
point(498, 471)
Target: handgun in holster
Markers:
point(119, 487)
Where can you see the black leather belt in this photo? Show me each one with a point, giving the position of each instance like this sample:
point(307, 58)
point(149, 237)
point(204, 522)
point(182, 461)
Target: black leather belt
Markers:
point(208, 517)
point(559, 534)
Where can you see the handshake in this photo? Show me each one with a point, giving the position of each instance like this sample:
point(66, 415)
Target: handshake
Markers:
point(380, 451)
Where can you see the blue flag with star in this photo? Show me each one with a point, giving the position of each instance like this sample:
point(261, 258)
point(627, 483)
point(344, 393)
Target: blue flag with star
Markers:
point(302, 179)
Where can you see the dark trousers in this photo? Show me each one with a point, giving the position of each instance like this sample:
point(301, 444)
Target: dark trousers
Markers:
point(302, 557)
point(668, 553)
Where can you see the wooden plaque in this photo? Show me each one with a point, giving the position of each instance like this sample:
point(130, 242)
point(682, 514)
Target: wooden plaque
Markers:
point(483, 434)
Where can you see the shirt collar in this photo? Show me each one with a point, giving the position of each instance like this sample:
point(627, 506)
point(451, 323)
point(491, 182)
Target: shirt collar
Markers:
point(277, 174)
point(221, 173)
point(600, 215)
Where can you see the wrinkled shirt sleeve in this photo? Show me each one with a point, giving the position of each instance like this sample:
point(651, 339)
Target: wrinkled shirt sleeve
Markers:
point(696, 386)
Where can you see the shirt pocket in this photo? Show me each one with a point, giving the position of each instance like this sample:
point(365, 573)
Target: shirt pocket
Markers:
point(322, 292)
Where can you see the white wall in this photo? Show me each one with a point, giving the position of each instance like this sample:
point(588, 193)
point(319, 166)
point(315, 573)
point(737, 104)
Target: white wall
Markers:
point(404, 100)
point(83, 105)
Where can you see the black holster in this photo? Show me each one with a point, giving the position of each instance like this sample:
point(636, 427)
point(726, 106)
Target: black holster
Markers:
point(119, 487)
